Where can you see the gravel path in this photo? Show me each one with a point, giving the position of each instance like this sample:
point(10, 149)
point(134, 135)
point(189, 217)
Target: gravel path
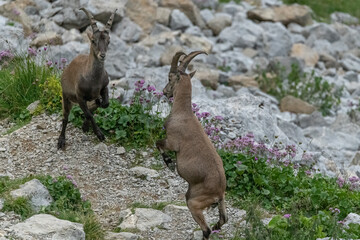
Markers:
point(105, 175)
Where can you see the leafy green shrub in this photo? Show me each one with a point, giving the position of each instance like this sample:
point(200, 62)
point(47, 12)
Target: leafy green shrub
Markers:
point(308, 87)
point(135, 125)
point(278, 186)
point(297, 227)
point(51, 99)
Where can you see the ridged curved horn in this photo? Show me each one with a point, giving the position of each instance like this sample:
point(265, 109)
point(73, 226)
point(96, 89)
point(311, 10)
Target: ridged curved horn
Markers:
point(185, 62)
point(110, 21)
point(174, 62)
point(92, 20)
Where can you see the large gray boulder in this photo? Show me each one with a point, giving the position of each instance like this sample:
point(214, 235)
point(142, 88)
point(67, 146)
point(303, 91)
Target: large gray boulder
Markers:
point(179, 21)
point(320, 31)
point(351, 63)
point(237, 61)
point(128, 31)
point(242, 34)
point(36, 192)
point(48, 227)
point(276, 39)
point(68, 51)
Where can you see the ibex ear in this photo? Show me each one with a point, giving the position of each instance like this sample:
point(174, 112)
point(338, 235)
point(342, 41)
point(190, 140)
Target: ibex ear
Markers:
point(90, 35)
point(192, 74)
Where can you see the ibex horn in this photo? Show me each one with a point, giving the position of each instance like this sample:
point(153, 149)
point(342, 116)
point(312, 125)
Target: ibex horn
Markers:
point(92, 20)
point(174, 62)
point(185, 62)
point(110, 21)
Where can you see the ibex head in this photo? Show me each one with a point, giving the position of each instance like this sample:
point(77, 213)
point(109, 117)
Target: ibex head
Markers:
point(99, 39)
point(175, 71)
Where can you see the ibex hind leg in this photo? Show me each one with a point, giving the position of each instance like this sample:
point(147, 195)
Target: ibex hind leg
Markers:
point(222, 215)
point(196, 208)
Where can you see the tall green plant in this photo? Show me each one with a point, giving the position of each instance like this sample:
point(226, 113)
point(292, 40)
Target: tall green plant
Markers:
point(308, 87)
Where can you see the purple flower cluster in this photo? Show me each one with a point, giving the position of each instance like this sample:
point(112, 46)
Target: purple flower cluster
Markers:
point(354, 183)
point(32, 51)
point(5, 54)
point(287, 215)
point(145, 96)
point(334, 210)
point(340, 181)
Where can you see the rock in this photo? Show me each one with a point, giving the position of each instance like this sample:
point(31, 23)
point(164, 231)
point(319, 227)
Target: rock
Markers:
point(206, 4)
point(163, 15)
point(285, 63)
point(351, 76)
point(208, 77)
point(295, 105)
point(351, 63)
point(101, 147)
point(195, 31)
point(305, 53)
point(68, 51)
point(33, 106)
point(352, 218)
point(242, 81)
point(326, 138)
point(167, 55)
point(44, 226)
point(237, 61)
point(198, 43)
point(294, 132)
point(69, 17)
point(354, 162)
point(128, 31)
point(145, 218)
point(36, 192)
point(144, 172)
point(15, 12)
point(219, 22)
point(276, 38)
point(102, 12)
point(313, 119)
point(160, 39)
point(1, 203)
point(285, 14)
point(330, 61)
point(142, 12)
point(320, 31)
point(340, 17)
point(187, 7)
point(244, 35)
point(207, 15)
point(179, 21)
point(158, 29)
point(233, 9)
point(71, 35)
point(49, 38)
point(120, 150)
point(121, 236)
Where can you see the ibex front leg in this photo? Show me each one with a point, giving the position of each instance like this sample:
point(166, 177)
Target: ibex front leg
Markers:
point(89, 117)
point(162, 146)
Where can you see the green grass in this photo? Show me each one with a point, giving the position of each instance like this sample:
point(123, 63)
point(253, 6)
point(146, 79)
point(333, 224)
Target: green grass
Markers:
point(323, 8)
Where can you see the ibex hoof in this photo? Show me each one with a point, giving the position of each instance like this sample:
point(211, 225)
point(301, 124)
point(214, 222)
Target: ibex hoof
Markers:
point(100, 136)
point(61, 143)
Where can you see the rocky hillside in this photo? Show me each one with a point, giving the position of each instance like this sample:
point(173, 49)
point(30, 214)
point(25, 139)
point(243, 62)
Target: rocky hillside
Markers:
point(242, 41)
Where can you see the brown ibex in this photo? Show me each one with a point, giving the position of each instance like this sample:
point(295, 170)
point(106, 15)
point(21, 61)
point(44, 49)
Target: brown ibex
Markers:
point(196, 158)
point(85, 80)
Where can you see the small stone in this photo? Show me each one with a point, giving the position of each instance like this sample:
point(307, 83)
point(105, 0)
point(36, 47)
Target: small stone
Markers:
point(295, 105)
point(1, 203)
point(142, 171)
point(120, 150)
point(2, 149)
point(102, 147)
point(32, 107)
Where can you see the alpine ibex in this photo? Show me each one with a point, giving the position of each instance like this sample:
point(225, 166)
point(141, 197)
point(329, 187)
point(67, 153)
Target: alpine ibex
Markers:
point(196, 158)
point(85, 80)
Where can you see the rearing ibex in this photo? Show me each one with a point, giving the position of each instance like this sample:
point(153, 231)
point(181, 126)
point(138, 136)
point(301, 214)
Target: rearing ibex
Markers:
point(85, 80)
point(196, 158)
